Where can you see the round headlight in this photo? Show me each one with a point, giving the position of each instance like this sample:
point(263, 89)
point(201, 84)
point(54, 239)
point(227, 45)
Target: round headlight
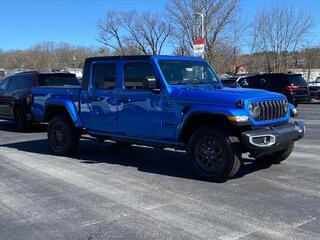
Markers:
point(254, 110)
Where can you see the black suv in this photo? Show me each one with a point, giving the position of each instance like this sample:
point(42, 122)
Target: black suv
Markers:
point(16, 98)
point(293, 86)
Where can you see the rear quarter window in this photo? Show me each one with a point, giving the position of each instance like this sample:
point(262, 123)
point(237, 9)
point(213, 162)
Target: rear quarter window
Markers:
point(296, 79)
point(276, 81)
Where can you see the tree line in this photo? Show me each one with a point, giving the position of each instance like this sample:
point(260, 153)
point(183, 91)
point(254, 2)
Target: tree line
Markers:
point(273, 41)
point(48, 55)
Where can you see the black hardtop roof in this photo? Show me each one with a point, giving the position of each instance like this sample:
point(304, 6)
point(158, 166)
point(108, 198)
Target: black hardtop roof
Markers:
point(115, 58)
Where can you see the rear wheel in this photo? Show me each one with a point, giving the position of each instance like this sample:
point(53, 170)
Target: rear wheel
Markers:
point(63, 137)
point(21, 122)
point(277, 157)
point(213, 154)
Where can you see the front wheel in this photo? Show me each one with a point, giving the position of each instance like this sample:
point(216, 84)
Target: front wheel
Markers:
point(213, 154)
point(277, 157)
point(63, 137)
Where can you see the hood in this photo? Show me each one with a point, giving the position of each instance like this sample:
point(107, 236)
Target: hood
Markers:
point(223, 95)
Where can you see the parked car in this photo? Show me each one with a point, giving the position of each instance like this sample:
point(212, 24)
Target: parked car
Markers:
point(293, 86)
point(168, 101)
point(314, 89)
point(16, 98)
point(230, 81)
point(2, 75)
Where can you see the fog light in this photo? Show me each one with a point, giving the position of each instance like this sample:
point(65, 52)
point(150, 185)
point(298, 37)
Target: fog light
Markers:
point(262, 140)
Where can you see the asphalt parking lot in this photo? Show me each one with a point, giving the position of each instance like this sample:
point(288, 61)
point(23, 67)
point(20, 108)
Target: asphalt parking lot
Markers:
point(108, 192)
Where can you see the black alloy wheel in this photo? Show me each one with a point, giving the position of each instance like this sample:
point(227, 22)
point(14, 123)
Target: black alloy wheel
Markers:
point(209, 154)
point(63, 137)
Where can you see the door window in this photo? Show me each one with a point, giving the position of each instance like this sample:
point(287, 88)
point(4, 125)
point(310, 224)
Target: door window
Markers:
point(244, 82)
point(25, 81)
point(258, 82)
point(104, 75)
point(138, 75)
point(13, 84)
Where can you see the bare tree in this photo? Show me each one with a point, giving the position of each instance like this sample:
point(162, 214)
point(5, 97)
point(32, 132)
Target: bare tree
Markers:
point(126, 30)
point(278, 30)
point(217, 19)
point(109, 31)
point(238, 39)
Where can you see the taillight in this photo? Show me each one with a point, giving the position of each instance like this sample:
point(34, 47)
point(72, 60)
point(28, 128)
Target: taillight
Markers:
point(29, 99)
point(292, 88)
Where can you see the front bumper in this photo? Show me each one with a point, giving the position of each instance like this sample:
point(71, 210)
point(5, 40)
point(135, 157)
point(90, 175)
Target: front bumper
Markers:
point(272, 139)
point(298, 98)
point(315, 94)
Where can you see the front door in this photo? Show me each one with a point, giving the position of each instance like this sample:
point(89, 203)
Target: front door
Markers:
point(6, 98)
point(140, 106)
point(98, 103)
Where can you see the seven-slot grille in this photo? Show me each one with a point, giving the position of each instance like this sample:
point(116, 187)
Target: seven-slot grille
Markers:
point(270, 110)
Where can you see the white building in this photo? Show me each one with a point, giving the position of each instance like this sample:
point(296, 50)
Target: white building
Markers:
point(309, 74)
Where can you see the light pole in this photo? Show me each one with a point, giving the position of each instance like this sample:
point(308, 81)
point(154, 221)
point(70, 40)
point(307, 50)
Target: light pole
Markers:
point(202, 26)
point(75, 65)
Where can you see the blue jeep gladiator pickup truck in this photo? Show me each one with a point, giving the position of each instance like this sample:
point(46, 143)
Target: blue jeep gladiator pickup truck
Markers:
point(168, 101)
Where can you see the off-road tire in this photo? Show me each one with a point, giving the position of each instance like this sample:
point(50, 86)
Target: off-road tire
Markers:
point(277, 157)
point(63, 137)
point(226, 143)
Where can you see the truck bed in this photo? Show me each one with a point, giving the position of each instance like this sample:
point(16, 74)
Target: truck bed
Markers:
point(42, 95)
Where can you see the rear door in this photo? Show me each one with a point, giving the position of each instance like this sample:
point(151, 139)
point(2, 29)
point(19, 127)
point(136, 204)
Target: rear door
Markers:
point(8, 97)
point(4, 106)
point(98, 103)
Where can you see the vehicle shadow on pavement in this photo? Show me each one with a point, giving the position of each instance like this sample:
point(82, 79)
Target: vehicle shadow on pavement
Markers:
point(145, 159)
point(8, 126)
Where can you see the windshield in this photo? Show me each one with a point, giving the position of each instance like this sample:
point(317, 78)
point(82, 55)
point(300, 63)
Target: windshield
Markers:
point(318, 80)
point(4, 84)
point(187, 72)
point(58, 80)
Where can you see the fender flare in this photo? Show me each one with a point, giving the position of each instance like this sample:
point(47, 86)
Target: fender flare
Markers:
point(198, 111)
point(69, 106)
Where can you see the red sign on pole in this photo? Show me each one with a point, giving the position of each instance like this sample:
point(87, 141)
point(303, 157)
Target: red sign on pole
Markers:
point(199, 41)
point(198, 46)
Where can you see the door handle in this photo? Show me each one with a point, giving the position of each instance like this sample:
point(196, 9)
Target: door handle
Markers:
point(125, 100)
